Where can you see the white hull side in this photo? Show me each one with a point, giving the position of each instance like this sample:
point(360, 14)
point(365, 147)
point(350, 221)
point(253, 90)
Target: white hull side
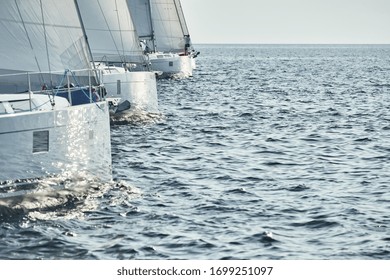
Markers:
point(193, 63)
point(172, 66)
point(139, 88)
point(78, 141)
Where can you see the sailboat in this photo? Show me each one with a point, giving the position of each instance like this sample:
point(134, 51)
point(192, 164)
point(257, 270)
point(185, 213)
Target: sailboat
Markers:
point(163, 31)
point(117, 52)
point(45, 65)
point(188, 46)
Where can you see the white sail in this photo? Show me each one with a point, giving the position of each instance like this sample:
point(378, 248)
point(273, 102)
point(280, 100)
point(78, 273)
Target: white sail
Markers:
point(41, 36)
point(141, 14)
point(168, 31)
point(182, 19)
point(110, 30)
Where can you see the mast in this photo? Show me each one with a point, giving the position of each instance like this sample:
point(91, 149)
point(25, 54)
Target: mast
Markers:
point(120, 31)
point(141, 13)
point(37, 37)
point(111, 32)
point(167, 27)
point(86, 40)
point(153, 38)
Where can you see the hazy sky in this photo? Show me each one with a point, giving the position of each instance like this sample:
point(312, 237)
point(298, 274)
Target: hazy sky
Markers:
point(288, 21)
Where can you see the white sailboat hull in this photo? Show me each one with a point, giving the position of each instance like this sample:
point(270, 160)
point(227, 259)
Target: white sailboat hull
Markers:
point(139, 88)
point(171, 65)
point(37, 144)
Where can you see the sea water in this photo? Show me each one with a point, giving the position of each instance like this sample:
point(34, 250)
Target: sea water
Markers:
point(267, 152)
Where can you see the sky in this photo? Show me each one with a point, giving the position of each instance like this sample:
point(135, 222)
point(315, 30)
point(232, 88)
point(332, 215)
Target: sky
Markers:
point(288, 21)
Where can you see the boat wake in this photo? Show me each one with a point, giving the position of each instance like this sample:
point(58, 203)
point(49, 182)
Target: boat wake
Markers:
point(61, 197)
point(137, 117)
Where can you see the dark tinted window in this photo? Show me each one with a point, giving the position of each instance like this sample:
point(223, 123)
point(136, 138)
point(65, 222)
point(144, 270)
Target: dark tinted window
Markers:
point(40, 141)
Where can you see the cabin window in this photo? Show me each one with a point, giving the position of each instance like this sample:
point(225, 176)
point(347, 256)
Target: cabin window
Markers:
point(40, 141)
point(118, 87)
point(170, 63)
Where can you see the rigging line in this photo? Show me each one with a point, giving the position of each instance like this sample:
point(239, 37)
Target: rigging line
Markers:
point(120, 30)
point(183, 26)
point(136, 51)
point(153, 39)
point(31, 45)
point(112, 36)
point(166, 22)
point(46, 44)
point(158, 18)
point(87, 43)
point(83, 91)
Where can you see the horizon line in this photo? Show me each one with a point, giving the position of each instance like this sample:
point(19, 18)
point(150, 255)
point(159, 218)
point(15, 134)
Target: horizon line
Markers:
point(291, 43)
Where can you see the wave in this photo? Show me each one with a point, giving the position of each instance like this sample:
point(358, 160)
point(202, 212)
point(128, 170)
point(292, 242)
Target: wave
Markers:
point(66, 197)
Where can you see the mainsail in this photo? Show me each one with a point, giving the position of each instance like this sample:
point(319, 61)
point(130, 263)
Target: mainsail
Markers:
point(168, 31)
point(110, 30)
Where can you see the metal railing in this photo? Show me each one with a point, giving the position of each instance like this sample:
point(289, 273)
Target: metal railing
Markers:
point(66, 81)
